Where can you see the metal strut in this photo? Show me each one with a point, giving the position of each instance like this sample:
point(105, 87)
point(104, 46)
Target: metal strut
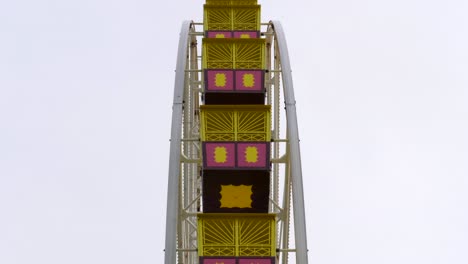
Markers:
point(293, 146)
point(170, 256)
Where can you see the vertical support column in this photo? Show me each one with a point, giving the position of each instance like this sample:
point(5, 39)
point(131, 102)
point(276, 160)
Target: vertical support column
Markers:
point(294, 150)
point(172, 218)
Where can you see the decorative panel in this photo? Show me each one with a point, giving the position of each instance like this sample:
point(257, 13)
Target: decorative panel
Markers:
point(236, 155)
point(233, 53)
point(249, 54)
point(219, 80)
point(218, 53)
point(243, 81)
point(217, 18)
point(219, 34)
point(246, 34)
point(236, 191)
point(252, 126)
point(234, 87)
point(246, 18)
point(243, 235)
point(236, 196)
point(218, 124)
point(238, 17)
point(249, 80)
point(253, 155)
point(217, 237)
point(254, 232)
point(219, 155)
point(235, 123)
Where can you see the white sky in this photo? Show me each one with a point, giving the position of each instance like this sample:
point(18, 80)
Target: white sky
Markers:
point(85, 106)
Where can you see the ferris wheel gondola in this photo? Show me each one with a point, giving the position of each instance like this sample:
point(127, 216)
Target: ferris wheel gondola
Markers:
point(185, 218)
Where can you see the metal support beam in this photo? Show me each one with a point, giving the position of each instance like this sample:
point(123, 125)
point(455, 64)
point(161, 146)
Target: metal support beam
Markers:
point(294, 150)
point(170, 256)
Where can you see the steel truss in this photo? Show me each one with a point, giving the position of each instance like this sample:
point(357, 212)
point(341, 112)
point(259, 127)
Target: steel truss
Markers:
point(184, 181)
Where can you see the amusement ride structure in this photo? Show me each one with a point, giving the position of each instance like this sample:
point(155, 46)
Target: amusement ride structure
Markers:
point(235, 192)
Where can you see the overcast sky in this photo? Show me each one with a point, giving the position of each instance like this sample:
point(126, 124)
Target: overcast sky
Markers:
point(85, 106)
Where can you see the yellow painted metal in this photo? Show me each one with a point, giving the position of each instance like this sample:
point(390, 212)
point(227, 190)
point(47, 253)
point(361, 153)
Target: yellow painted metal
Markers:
point(246, 18)
point(219, 53)
point(239, 17)
point(237, 235)
point(235, 122)
point(231, 2)
point(217, 18)
point(236, 196)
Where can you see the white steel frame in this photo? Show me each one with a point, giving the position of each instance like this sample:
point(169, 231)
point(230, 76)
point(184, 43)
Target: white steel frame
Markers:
point(184, 181)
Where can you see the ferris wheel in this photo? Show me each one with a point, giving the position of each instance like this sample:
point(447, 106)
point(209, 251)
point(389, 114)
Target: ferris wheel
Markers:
point(235, 190)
